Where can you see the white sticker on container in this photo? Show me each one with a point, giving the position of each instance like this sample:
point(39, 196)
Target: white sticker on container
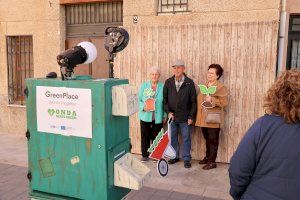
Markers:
point(75, 160)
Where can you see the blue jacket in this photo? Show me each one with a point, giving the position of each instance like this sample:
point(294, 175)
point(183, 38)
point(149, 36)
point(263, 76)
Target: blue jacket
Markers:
point(159, 112)
point(266, 164)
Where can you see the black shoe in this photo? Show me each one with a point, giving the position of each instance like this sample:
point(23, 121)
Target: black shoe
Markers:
point(210, 165)
point(173, 161)
point(144, 159)
point(203, 161)
point(187, 164)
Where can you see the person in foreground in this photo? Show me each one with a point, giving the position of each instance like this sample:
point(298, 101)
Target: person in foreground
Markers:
point(180, 102)
point(266, 164)
point(151, 112)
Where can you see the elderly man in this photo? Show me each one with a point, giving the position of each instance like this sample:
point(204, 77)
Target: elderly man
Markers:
point(180, 102)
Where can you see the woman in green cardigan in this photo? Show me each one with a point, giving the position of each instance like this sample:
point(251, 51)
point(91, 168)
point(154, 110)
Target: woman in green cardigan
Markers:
point(151, 112)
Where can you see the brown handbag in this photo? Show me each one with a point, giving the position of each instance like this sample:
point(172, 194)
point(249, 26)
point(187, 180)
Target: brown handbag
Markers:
point(213, 117)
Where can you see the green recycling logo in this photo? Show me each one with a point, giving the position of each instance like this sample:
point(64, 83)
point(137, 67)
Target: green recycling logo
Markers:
point(207, 91)
point(51, 112)
point(148, 92)
point(61, 113)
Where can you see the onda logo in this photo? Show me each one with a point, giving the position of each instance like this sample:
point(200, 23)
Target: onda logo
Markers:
point(60, 113)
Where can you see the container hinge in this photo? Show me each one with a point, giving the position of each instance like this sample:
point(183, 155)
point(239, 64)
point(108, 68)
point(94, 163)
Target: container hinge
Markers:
point(29, 176)
point(26, 92)
point(27, 134)
point(130, 147)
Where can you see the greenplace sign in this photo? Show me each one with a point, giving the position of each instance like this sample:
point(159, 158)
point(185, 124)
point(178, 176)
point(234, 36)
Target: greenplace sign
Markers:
point(65, 111)
point(64, 95)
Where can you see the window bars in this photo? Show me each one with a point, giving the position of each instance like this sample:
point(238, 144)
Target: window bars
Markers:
point(20, 66)
point(172, 6)
point(295, 55)
point(293, 51)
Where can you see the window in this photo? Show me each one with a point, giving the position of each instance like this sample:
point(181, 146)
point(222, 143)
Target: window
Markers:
point(172, 6)
point(293, 56)
point(20, 66)
point(295, 23)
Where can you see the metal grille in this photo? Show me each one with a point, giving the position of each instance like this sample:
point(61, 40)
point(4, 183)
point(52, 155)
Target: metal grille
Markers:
point(172, 6)
point(93, 13)
point(91, 19)
point(20, 66)
point(295, 57)
point(293, 50)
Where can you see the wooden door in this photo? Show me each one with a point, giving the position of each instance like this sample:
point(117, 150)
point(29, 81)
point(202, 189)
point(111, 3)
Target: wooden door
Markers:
point(87, 22)
point(98, 68)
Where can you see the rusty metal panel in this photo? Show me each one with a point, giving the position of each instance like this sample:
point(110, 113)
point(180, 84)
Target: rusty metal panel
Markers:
point(92, 18)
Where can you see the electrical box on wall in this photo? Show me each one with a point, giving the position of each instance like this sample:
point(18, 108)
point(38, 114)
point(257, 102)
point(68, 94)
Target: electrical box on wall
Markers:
point(124, 100)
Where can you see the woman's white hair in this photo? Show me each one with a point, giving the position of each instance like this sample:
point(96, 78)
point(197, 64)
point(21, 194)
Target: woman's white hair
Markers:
point(154, 69)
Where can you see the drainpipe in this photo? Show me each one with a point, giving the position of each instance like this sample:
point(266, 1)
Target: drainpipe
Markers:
point(281, 38)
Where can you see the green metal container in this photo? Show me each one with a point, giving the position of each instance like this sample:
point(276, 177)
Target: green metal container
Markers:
point(63, 166)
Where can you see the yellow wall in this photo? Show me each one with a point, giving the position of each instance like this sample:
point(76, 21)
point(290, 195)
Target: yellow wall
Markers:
point(203, 12)
point(293, 6)
point(44, 20)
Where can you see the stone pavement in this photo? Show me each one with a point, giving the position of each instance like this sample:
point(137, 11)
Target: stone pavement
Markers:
point(180, 183)
point(13, 182)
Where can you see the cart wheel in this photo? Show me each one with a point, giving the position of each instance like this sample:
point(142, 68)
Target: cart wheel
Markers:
point(162, 167)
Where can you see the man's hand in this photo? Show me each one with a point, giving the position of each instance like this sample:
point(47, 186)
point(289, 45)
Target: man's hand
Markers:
point(165, 121)
point(190, 121)
point(208, 98)
point(171, 115)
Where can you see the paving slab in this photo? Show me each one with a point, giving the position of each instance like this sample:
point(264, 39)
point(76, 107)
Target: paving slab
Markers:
point(180, 183)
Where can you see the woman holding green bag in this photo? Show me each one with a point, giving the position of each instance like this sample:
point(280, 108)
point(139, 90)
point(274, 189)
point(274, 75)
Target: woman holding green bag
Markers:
point(151, 112)
point(212, 98)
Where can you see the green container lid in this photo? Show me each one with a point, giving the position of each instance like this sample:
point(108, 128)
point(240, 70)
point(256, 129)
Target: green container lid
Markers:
point(84, 77)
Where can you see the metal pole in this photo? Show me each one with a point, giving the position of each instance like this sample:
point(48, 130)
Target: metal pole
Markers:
point(111, 65)
point(281, 38)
